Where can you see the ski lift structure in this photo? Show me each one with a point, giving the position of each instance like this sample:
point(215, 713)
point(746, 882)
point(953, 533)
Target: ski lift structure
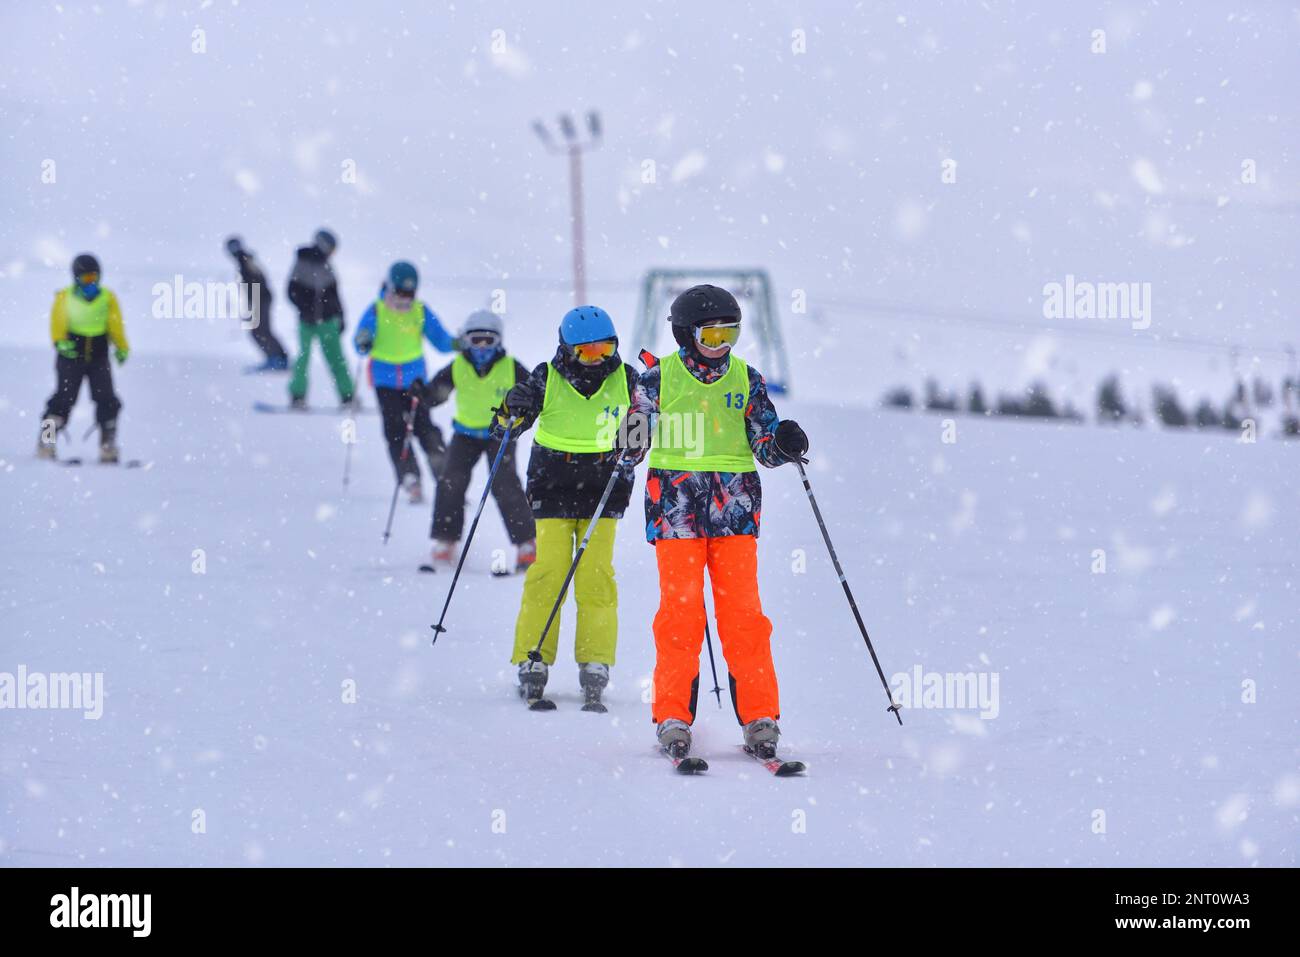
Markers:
point(752, 289)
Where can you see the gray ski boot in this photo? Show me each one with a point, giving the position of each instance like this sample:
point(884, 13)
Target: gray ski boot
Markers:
point(592, 677)
point(108, 443)
point(532, 685)
point(675, 737)
point(47, 442)
point(760, 737)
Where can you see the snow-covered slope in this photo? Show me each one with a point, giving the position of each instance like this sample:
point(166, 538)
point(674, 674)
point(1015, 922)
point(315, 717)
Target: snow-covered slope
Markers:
point(1119, 693)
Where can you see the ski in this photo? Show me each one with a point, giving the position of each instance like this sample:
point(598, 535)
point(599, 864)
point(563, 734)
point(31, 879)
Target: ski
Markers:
point(125, 463)
point(686, 765)
point(428, 569)
point(273, 408)
point(780, 768)
point(264, 370)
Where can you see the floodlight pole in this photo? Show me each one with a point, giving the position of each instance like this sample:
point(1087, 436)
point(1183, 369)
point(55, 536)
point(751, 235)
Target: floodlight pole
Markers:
point(579, 246)
point(574, 145)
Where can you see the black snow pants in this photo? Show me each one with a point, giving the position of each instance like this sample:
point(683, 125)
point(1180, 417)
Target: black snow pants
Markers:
point(262, 335)
point(449, 504)
point(90, 363)
point(395, 407)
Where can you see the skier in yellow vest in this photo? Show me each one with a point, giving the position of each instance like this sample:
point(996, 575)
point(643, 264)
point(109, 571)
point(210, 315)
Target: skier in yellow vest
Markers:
point(84, 319)
point(392, 333)
point(480, 376)
point(703, 506)
point(577, 400)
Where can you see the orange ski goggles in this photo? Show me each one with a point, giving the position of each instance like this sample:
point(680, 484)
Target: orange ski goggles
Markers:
point(594, 353)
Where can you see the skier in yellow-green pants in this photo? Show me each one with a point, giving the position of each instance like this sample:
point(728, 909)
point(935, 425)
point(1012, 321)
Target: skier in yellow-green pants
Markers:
point(577, 400)
point(594, 589)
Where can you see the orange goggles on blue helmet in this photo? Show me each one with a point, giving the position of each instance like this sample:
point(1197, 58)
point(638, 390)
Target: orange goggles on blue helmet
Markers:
point(594, 353)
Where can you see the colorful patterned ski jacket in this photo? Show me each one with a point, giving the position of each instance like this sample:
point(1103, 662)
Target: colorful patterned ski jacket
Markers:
point(681, 504)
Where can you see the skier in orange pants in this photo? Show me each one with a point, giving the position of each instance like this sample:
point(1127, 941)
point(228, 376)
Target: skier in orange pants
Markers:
point(743, 630)
point(713, 424)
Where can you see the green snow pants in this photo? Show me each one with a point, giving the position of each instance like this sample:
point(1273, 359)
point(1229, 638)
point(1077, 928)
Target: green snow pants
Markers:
point(328, 334)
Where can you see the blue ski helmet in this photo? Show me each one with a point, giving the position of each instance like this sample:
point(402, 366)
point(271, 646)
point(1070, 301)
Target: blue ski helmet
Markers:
point(586, 324)
point(402, 278)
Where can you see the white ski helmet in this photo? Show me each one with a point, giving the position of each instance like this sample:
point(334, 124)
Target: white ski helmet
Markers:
point(481, 320)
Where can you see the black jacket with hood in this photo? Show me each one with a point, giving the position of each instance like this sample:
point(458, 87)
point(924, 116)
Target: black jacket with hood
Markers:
point(569, 484)
point(313, 288)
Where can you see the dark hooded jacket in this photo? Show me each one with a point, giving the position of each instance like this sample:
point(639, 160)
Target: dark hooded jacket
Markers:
point(313, 288)
point(569, 484)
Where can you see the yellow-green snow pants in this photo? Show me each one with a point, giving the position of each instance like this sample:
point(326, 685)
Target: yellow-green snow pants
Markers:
point(594, 590)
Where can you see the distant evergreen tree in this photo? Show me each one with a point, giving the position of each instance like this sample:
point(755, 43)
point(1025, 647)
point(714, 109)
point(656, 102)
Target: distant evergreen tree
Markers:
point(899, 398)
point(1110, 404)
point(1038, 403)
point(1033, 402)
point(1206, 415)
point(1263, 393)
point(937, 401)
point(1236, 411)
point(976, 404)
point(1007, 405)
point(1167, 408)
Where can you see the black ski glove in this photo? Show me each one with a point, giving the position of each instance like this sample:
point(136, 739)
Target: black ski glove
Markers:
point(420, 390)
point(424, 390)
point(522, 401)
point(632, 440)
point(791, 441)
point(507, 423)
point(521, 405)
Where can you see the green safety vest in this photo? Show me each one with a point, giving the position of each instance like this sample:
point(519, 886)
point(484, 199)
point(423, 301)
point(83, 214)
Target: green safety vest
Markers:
point(571, 422)
point(87, 318)
point(399, 336)
point(478, 396)
point(701, 427)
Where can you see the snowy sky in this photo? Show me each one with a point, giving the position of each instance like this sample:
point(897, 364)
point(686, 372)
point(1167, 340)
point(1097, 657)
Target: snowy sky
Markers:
point(824, 165)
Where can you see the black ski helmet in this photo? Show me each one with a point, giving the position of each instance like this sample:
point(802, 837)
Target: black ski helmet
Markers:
point(325, 241)
point(698, 305)
point(234, 245)
point(83, 264)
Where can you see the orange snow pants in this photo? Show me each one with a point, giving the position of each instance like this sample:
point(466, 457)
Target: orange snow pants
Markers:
point(743, 630)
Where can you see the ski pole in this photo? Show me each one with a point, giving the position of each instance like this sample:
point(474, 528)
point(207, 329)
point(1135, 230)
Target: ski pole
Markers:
point(708, 641)
point(347, 456)
point(536, 653)
point(406, 447)
point(812, 500)
point(491, 479)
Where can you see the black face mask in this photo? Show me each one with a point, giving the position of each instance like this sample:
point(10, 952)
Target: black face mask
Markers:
point(586, 379)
